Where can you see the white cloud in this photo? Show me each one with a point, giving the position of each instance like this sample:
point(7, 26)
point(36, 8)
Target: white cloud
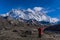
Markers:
point(38, 8)
point(30, 10)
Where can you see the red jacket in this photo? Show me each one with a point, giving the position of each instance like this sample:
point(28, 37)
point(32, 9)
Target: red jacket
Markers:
point(40, 30)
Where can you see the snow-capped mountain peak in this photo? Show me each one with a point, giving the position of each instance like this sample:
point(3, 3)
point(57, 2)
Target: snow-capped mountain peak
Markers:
point(36, 13)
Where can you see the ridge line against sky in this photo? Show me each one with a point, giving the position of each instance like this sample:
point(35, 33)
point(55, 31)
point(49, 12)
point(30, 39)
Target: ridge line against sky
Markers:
point(52, 5)
point(37, 13)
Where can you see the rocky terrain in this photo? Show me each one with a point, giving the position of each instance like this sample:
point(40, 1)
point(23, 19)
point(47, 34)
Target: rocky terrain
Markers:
point(11, 29)
point(24, 24)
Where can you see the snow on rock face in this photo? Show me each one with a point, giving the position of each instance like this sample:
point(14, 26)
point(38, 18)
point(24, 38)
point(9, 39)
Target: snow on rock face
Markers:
point(54, 20)
point(36, 13)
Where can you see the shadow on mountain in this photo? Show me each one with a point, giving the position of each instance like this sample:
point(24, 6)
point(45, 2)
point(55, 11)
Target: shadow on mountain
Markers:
point(54, 28)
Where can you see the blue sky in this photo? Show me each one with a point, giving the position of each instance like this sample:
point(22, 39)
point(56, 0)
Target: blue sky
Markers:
point(7, 5)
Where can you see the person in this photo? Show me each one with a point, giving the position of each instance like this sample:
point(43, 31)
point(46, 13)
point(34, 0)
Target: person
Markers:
point(40, 31)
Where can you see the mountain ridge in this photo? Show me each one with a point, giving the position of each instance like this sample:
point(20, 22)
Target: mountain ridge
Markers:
point(37, 13)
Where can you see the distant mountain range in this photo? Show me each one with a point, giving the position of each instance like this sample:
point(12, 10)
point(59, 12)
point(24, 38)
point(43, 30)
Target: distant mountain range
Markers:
point(31, 15)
